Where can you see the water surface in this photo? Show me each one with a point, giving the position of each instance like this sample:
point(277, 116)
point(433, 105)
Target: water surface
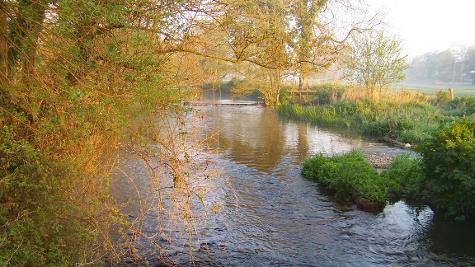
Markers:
point(271, 216)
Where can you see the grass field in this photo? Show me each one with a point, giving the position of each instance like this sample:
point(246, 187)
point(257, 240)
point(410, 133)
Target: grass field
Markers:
point(461, 89)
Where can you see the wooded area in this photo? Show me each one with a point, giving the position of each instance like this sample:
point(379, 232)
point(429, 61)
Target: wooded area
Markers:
point(79, 77)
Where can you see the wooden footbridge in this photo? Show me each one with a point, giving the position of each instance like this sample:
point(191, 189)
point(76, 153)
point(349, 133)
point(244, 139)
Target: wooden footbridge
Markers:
point(224, 103)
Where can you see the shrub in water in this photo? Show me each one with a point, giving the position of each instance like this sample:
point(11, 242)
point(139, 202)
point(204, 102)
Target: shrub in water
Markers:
point(350, 176)
point(347, 175)
point(405, 176)
point(449, 164)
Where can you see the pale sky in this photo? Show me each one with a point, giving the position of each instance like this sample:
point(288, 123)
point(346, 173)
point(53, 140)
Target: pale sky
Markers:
point(429, 25)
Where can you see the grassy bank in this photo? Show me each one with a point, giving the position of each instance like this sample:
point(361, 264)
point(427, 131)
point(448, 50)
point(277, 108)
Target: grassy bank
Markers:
point(403, 116)
point(411, 122)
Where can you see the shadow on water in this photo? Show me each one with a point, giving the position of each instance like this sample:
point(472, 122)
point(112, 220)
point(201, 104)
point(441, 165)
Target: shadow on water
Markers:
point(271, 215)
point(455, 239)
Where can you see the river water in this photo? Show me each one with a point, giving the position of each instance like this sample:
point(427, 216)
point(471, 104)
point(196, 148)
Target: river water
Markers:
point(269, 215)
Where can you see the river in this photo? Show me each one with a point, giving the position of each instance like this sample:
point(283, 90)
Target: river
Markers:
point(269, 215)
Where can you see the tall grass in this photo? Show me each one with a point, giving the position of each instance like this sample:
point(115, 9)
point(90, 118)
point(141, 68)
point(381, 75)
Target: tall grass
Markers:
point(386, 96)
point(405, 116)
point(408, 122)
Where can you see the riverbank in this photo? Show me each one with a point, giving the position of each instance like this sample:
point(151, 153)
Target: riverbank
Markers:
point(442, 130)
point(398, 117)
point(441, 177)
point(408, 123)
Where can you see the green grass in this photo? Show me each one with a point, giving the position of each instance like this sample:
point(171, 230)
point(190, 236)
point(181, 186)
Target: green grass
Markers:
point(346, 174)
point(465, 89)
point(350, 176)
point(406, 176)
point(409, 122)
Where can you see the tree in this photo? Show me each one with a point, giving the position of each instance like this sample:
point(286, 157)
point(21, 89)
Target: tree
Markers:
point(266, 81)
point(451, 65)
point(274, 50)
point(78, 82)
point(305, 13)
point(255, 44)
point(375, 61)
point(318, 36)
point(285, 37)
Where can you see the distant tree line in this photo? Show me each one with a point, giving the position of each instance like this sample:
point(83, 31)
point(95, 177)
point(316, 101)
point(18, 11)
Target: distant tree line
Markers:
point(452, 65)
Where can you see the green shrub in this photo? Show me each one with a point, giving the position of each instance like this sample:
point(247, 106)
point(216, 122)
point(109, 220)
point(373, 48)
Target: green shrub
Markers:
point(328, 93)
point(449, 164)
point(442, 98)
point(350, 176)
point(345, 175)
point(44, 221)
point(405, 175)
point(461, 106)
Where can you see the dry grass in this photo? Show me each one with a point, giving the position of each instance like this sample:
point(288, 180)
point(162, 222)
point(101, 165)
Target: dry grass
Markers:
point(397, 97)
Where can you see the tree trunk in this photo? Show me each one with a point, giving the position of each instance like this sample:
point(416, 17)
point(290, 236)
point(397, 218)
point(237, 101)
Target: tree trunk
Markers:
point(303, 83)
point(5, 98)
point(276, 77)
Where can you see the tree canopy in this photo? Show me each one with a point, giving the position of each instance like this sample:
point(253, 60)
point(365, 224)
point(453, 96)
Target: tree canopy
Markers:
point(375, 61)
point(82, 79)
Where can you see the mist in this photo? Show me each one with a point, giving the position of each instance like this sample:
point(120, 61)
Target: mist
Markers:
point(428, 25)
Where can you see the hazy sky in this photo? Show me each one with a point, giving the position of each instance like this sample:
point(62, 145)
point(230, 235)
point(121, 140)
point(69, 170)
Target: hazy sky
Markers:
point(429, 25)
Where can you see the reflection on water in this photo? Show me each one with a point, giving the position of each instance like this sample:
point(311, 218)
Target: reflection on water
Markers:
point(258, 138)
point(271, 215)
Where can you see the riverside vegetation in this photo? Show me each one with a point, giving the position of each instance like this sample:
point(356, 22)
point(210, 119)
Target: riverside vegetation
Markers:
point(443, 177)
point(82, 80)
point(350, 176)
point(405, 116)
point(444, 133)
point(71, 90)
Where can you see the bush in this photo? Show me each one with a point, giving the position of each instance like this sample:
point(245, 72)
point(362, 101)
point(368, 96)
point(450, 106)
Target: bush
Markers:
point(346, 175)
point(442, 98)
point(461, 106)
point(350, 177)
point(406, 176)
point(44, 219)
point(449, 164)
point(328, 93)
